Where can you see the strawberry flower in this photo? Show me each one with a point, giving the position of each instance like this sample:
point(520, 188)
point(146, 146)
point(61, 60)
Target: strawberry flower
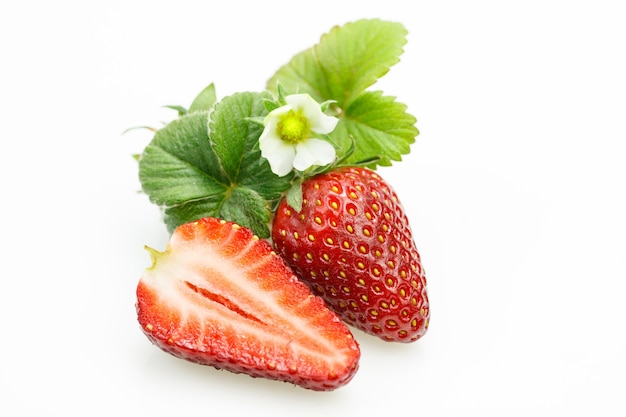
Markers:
point(289, 139)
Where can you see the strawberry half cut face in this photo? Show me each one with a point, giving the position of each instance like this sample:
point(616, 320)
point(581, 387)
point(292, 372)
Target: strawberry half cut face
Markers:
point(219, 296)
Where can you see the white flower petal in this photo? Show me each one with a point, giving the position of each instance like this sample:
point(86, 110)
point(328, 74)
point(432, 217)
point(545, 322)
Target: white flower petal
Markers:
point(319, 122)
point(323, 124)
point(278, 153)
point(271, 123)
point(313, 152)
point(282, 155)
point(274, 115)
point(304, 102)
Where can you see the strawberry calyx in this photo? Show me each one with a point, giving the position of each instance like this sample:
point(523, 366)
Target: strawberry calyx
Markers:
point(154, 255)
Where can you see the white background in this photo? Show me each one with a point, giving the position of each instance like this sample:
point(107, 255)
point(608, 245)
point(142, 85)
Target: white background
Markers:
point(515, 190)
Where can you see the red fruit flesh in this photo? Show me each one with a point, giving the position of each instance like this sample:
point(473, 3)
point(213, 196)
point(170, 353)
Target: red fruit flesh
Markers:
point(352, 244)
point(219, 296)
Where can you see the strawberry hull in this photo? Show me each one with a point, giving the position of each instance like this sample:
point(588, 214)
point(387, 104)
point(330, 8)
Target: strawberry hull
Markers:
point(352, 244)
point(218, 296)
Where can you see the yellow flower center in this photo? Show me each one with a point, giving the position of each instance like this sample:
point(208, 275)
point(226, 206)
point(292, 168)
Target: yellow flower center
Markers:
point(293, 127)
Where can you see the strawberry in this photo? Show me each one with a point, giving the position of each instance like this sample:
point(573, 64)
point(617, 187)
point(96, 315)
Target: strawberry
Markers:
point(352, 244)
point(220, 296)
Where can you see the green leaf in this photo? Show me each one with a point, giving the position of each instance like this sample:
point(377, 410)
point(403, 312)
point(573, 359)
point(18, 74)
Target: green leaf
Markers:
point(196, 209)
point(211, 166)
point(271, 105)
point(178, 165)
point(380, 127)
point(249, 207)
point(205, 100)
point(180, 109)
point(233, 138)
point(347, 60)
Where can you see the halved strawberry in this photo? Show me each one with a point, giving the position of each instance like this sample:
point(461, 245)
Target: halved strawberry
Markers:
point(352, 244)
point(220, 296)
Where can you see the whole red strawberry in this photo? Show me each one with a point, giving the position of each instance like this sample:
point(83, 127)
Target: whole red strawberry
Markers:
point(220, 296)
point(352, 244)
